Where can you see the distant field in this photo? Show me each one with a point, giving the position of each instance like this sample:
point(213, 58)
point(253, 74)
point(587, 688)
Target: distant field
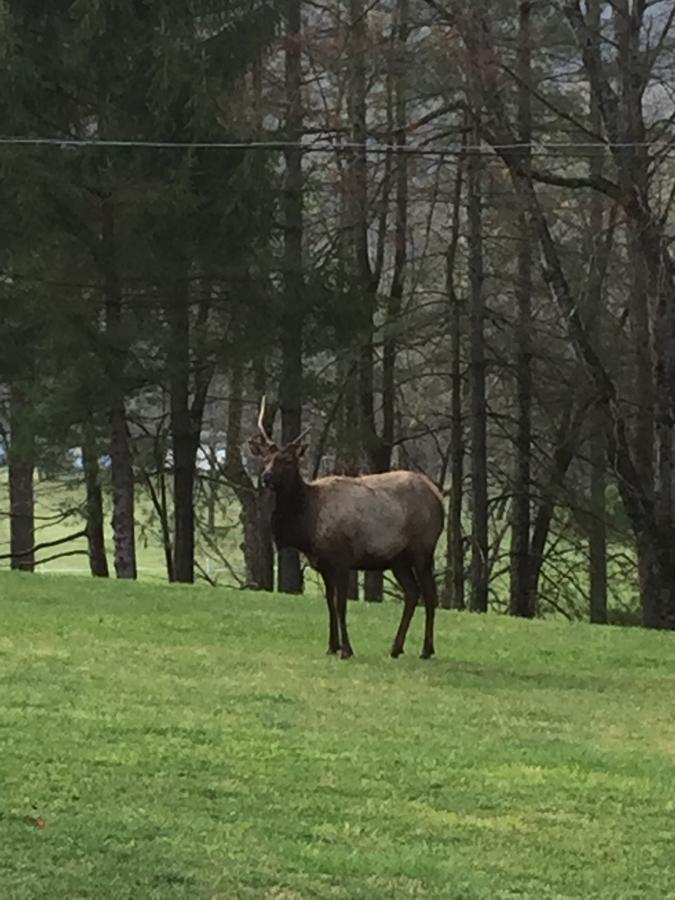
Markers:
point(564, 578)
point(167, 742)
point(53, 497)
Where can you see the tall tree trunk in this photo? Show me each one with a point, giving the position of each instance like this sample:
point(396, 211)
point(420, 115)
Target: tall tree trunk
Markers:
point(381, 450)
point(164, 518)
point(597, 542)
point(347, 438)
point(347, 431)
point(663, 505)
point(121, 470)
point(564, 448)
point(597, 538)
point(21, 470)
point(453, 593)
point(520, 600)
point(184, 436)
point(365, 284)
point(290, 389)
point(158, 496)
point(654, 293)
point(98, 560)
point(479, 531)
point(212, 491)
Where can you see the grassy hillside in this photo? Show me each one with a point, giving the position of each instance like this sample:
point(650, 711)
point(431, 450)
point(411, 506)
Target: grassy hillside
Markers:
point(169, 742)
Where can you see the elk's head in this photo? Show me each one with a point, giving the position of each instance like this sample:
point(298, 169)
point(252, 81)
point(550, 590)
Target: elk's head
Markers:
point(281, 465)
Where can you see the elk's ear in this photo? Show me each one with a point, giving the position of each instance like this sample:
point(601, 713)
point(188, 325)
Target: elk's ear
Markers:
point(301, 450)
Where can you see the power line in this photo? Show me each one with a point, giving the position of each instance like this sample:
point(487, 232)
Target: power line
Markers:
point(536, 149)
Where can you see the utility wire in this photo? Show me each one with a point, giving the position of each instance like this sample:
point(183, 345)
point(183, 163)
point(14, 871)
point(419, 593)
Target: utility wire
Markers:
point(547, 149)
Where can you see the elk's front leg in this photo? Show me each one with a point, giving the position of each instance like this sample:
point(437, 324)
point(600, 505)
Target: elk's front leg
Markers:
point(331, 602)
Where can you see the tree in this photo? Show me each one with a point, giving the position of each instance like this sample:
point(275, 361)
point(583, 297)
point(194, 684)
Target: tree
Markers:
point(649, 509)
point(479, 496)
point(454, 594)
point(598, 511)
point(291, 326)
point(521, 601)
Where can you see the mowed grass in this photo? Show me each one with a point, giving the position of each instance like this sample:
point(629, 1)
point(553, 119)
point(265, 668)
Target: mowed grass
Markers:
point(167, 742)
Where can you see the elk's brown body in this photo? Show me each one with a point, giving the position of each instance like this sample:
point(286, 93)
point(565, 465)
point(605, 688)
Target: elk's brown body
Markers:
point(386, 521)
point(361, 523)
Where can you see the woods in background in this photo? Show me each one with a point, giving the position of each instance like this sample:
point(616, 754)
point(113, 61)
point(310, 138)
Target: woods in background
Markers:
point(439, 236)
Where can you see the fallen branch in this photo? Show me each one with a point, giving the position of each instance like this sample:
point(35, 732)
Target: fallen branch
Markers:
point(41, 562)
point(45, 544)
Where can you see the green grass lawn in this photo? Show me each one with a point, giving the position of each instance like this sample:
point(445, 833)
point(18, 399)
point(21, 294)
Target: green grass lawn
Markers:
point(197, 743)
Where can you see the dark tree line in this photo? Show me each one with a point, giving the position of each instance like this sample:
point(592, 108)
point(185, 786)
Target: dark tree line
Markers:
point(451, 253)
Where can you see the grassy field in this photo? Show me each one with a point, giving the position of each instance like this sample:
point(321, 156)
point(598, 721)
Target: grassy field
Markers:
point(166, 742)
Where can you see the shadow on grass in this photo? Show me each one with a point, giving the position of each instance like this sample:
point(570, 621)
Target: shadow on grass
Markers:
point(495, 677)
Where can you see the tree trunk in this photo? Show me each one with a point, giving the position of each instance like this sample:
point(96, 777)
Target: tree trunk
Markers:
point(453, 593)
point(479, 542)
point(520, 599)
point(121, 470)
point(565, 446)
point(122, 478)
point(657, 579)
point(597, 538)
point(364, 284)
point(347, 414)
point(653, 292)
point(184, 436)
point(258, 545)
point(290, 389)
point(212, 491)
point(381, 450)
point(256, 506)
point(21, 470)
point(98, 560)
point(379, 447)
point(346, 440)
point(159, 501)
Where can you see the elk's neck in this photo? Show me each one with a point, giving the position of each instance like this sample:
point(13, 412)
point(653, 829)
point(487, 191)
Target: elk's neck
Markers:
point(290, 515)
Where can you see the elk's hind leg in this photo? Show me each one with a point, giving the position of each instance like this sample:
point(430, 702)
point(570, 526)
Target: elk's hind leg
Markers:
point(331, 601)
point(405, 576)
point(425, 575)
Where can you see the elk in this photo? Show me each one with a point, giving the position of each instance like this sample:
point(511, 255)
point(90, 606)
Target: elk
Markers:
point(383, 521)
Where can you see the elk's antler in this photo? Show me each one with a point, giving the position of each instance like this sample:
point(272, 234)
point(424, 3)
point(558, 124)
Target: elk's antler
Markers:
point(261, 428)
point(301, 436)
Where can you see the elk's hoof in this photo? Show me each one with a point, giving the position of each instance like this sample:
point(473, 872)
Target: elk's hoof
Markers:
point(331, 651)
point(346, 652)
point(396, 652)
point(427, 654)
